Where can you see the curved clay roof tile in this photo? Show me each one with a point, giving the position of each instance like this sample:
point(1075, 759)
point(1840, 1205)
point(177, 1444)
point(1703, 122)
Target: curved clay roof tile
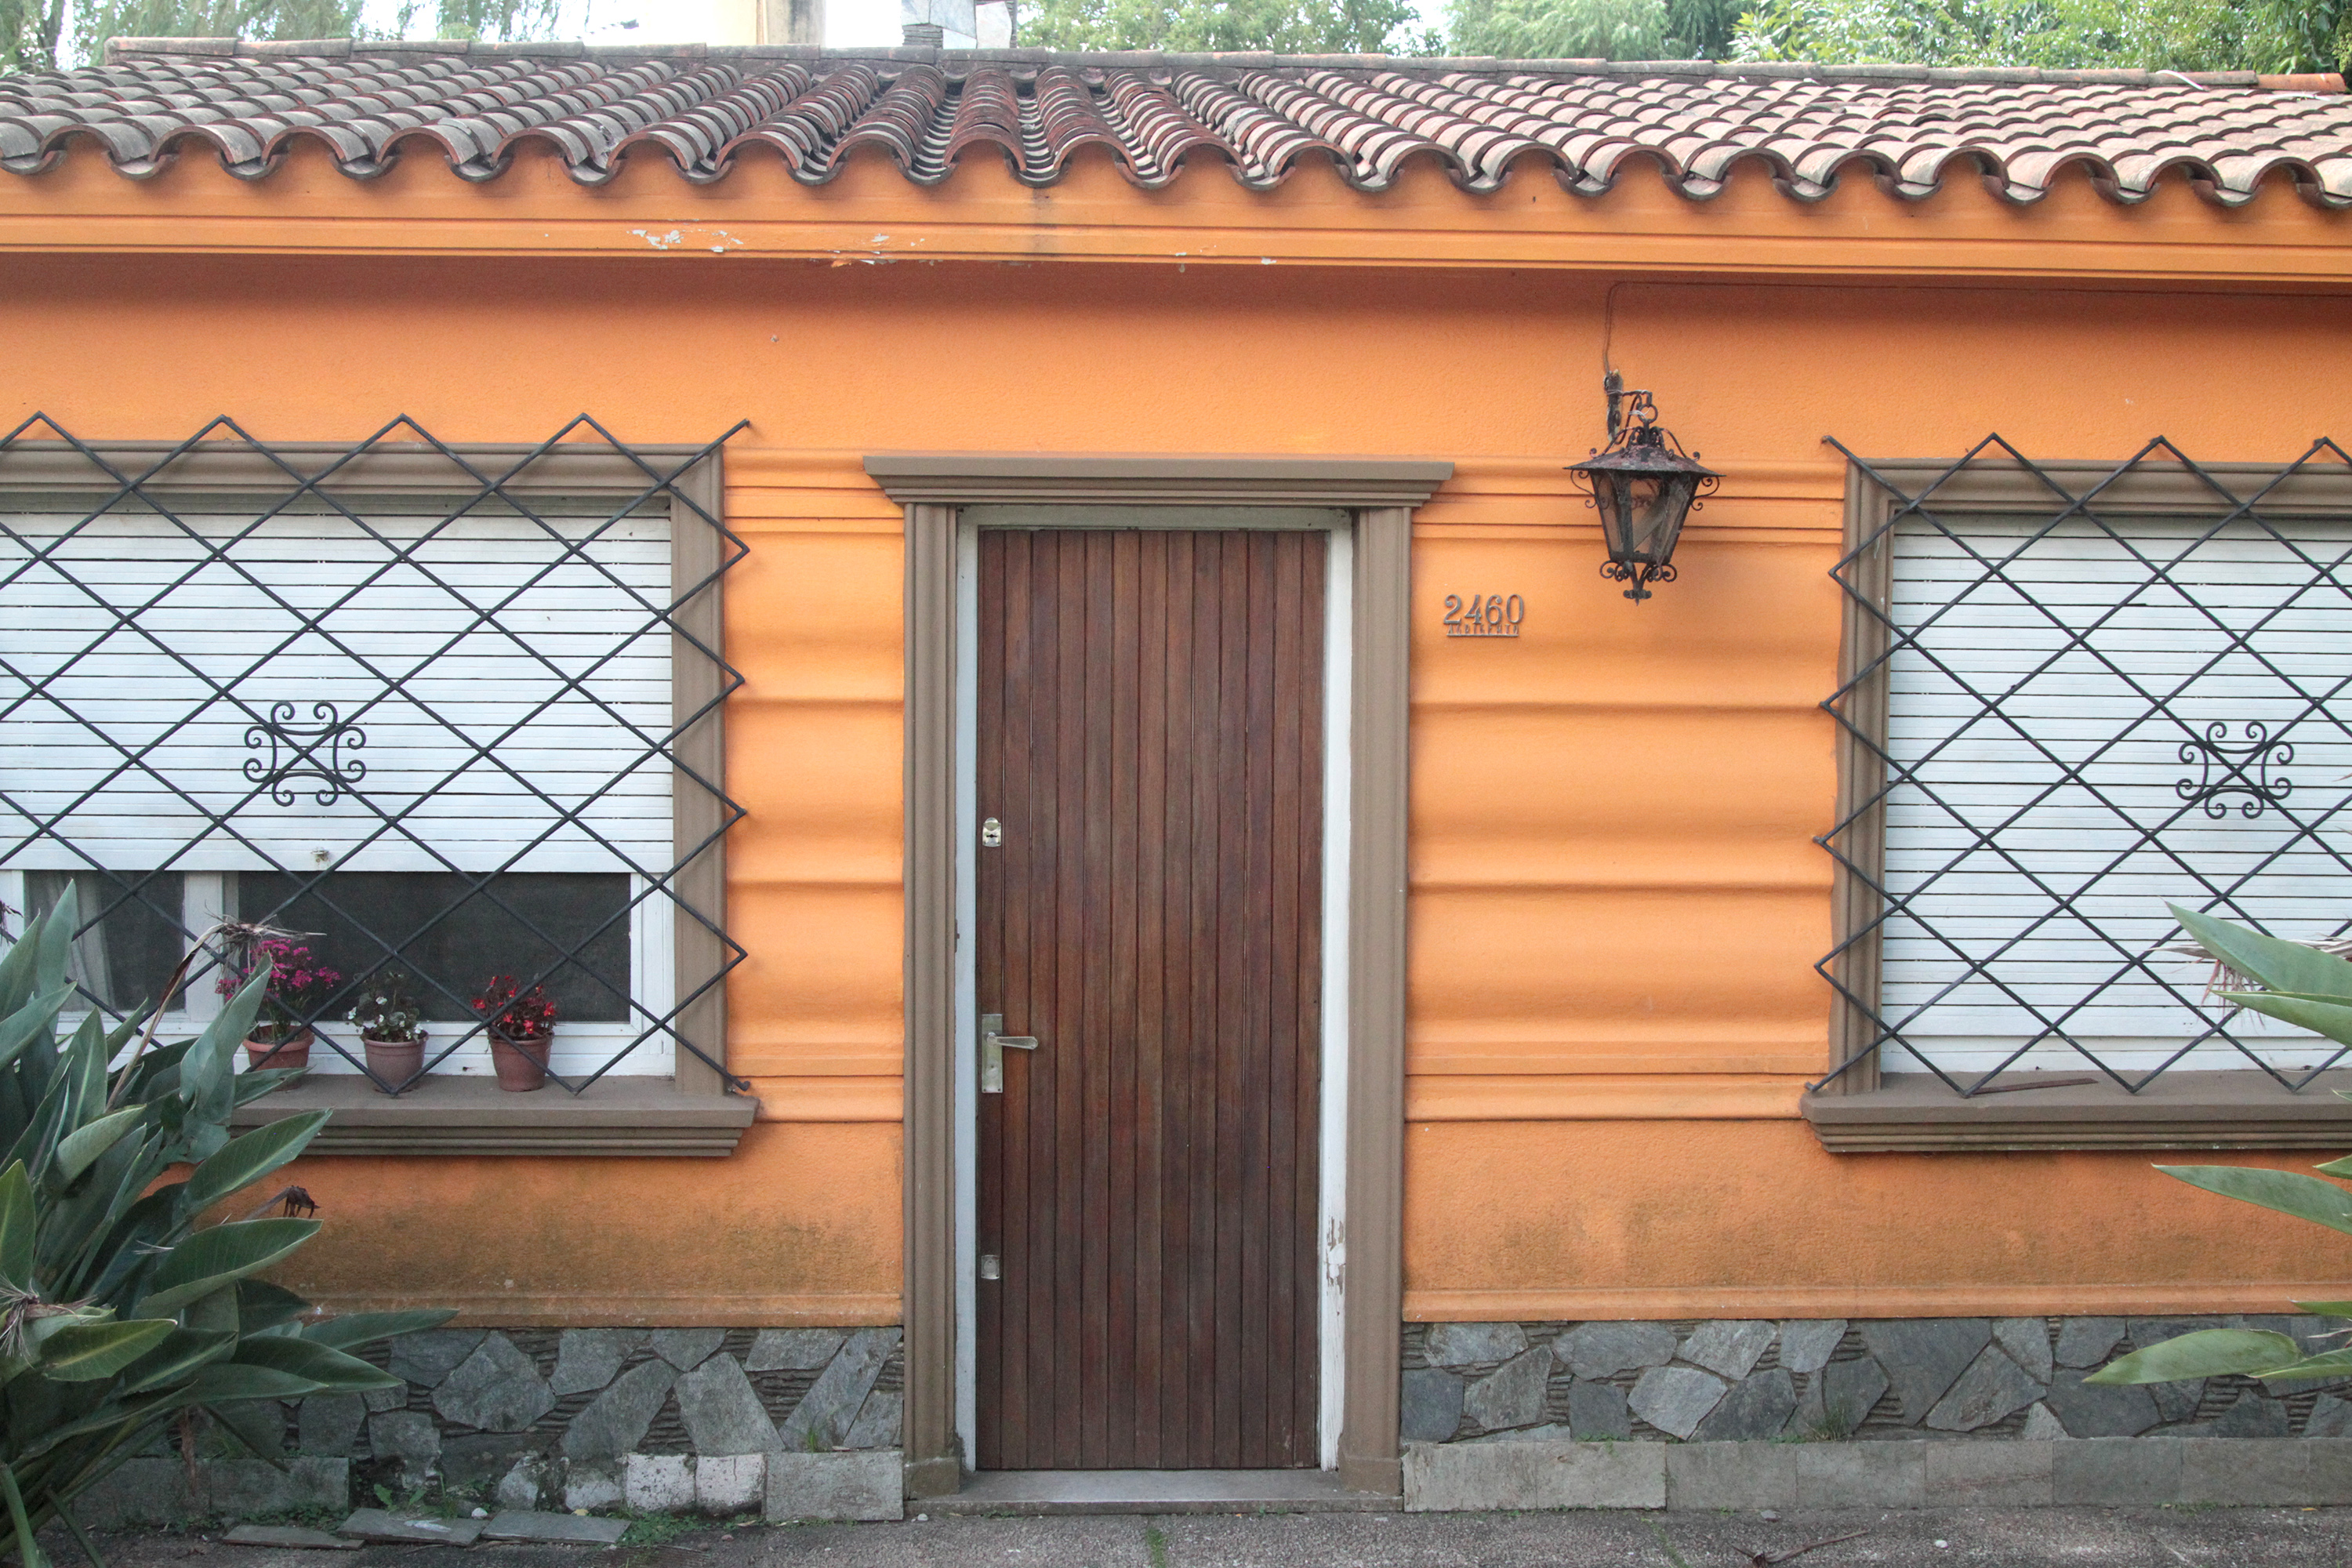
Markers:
point(1259, 114)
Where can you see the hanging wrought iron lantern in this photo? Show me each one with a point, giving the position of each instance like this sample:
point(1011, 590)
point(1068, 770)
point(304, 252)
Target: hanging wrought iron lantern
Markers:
point(1643, 486)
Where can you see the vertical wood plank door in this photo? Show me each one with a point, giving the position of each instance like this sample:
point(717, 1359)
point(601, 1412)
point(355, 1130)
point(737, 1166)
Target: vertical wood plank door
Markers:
point(1149, 740)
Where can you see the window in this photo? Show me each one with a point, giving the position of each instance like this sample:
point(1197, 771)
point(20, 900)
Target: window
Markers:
point(451, 713)
point(2074, 696)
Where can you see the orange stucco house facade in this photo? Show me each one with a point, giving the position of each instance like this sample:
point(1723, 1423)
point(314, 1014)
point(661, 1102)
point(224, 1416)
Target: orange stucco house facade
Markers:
point(1618, 949)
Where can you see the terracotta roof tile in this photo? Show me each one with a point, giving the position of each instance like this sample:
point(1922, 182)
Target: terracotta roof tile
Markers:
point(704, 108)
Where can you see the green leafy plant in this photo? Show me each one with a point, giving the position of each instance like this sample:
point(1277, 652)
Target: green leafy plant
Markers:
point(387, 1010)
point(2301, 985)
point(119, 1309)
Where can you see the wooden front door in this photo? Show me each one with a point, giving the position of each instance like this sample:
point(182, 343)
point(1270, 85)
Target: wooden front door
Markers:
point(1149, 900)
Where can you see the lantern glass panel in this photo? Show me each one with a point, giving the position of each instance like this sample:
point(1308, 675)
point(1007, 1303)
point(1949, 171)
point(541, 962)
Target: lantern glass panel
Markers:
point(1643, 515)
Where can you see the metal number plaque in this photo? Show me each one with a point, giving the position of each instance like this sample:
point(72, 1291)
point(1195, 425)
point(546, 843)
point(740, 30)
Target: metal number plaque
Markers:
point(1492, 616)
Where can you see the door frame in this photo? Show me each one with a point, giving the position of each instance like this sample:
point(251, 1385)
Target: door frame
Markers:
point(1380, 495)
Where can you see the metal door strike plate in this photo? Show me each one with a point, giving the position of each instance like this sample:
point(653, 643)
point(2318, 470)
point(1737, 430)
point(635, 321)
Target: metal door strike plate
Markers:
point(993, 1046)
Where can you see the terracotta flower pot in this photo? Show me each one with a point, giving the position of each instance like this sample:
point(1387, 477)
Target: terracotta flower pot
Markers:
point(294, 1051)
point(521, 1063)
point(393, 1061)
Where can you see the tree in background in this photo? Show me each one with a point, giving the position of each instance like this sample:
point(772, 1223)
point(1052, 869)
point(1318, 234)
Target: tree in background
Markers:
point(2149, 35)
point(31, 31)
point(1592, 29)
point(1287, 26)
point(28, 34)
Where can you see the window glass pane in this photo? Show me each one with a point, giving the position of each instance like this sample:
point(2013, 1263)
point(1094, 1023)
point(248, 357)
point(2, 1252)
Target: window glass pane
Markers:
point(131, 941)
point(451, 936)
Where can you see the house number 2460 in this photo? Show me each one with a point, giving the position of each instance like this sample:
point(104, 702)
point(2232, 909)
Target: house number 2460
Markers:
point(1491, 615)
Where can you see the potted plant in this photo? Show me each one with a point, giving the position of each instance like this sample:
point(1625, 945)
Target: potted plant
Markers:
point(392, 1030)
point(521, 1025)
point(299, 986)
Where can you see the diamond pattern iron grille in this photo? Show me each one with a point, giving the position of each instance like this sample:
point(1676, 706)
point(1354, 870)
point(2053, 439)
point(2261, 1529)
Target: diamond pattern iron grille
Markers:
point(487, 665)
point(2064, 713)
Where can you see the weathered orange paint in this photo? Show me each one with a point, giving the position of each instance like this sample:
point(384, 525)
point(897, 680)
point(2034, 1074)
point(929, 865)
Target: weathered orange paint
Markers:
point(760, 1239)
point(1698, 1219)
point(1615, 900)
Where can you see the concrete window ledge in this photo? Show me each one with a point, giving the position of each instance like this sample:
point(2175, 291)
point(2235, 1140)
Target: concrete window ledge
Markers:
point(1926, 1473)
point(2249, 1110)
point(472, 1116)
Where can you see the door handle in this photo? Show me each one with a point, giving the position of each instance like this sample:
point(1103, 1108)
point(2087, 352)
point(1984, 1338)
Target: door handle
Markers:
point(993, 1047)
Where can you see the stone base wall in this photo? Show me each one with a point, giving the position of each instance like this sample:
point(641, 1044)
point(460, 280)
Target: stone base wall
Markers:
point(1821, 1380)
point(548, 1417)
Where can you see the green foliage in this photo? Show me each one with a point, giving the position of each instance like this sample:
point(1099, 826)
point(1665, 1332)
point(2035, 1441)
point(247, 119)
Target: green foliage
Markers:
point(1592, 29)
point(2148, 34)
point(29, 30)
point(494, 21)
point(96, 21)
point(1287, 26)
point(118, 1313)
point(2306, 986)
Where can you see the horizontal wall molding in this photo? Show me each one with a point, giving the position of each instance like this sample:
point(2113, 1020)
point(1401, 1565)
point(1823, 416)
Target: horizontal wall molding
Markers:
point(978, 479)
point(1914, 1113)
point(1602, 1097)
point(546, 1310)
point(389, 468)
point(1957, 1300)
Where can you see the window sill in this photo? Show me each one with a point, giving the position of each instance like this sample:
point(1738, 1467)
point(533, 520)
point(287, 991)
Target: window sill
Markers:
point(472, 1116)
point(1912, 1112)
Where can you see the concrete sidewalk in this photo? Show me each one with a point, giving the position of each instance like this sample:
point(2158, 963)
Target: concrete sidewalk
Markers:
point(2199, 1537)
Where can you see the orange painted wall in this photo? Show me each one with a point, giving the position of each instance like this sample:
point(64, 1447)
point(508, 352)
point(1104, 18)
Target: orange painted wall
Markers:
point(1616, 901)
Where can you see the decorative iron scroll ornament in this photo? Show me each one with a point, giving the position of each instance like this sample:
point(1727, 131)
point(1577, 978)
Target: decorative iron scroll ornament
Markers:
point(2257, 752)
point(300, 745)
point(1644, 485)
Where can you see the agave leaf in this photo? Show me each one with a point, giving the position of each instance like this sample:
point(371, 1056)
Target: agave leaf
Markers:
point(2288, 1191)
point(176, 1359)
point(255, 1082)
point(245, 1161)
point(322, 1364)
point(2328, 1309)
point(35, 1020)
point(86, 1353)
point(261, 1305)
point(52, 941)
point(2208, 1353)
point(2326, 1365)
point(16, 986)
point(16, 1228)
point(148, 1223)
point(29, 1550)
point(355, 1329)
point(220, 1382)
point(2328, 1016)
point(2275, 963)
point(79, 1149)
point(220, 1256)
point(215, 1311)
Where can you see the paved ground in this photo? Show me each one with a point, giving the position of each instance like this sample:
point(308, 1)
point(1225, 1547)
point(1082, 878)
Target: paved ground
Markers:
point(1977, 1538)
